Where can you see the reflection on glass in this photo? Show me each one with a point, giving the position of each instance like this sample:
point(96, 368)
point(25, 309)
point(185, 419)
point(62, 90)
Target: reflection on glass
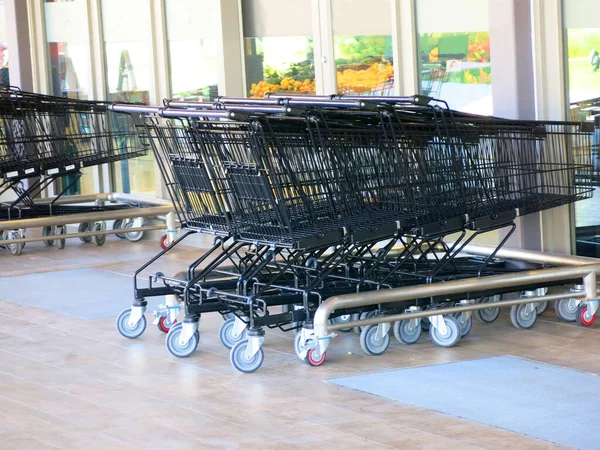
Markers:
point(280, 64)
point(69, 74)
point(128, 71)
point(127, 58)
point(583, 53)
point(364, 65)
point(197, 78)
point(584, 63)
point(3, 47)
point(456, 67)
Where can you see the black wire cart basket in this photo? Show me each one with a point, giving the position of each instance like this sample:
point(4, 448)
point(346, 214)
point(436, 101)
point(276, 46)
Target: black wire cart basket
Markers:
point(44, 139)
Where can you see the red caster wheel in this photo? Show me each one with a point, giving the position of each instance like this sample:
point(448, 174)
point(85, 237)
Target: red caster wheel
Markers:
point(583, 318)
point(164, 242)
point(311, 358)
point(165, 324)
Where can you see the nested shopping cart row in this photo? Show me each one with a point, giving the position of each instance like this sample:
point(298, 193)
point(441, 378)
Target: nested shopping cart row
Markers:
point(310, 198)
point(44, 139)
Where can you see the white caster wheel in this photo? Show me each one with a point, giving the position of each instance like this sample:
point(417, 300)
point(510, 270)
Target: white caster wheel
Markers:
point(523, 316)
point(448, 339)
point(465, 325)
point(164, 323)
point(85, 228)
point(241, 362)
point(134, 236)
point(15, 249)
point(406, 332)
point(345, 318)
point(363, 316)
point(175, 347)
point(128, 331)
point(299, 347)
point(566, 309)
point(226, 334)
point(369, 342)
point(541, 307)
point(117, 225)
point(489, 315)
point(99, 239)
point(47, 232)
point(60, 243)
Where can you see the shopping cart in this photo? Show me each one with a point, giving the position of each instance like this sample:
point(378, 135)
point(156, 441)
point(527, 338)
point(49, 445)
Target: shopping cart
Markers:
point(44, 139)
point(308, 198)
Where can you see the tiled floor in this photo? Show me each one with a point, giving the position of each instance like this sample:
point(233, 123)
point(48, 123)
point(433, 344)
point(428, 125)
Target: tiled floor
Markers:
point(77, 384)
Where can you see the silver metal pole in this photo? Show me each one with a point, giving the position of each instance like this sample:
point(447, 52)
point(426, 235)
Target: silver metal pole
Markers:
point(76, 235)
point(128, 213)
point(528, 255)
point(452, 310)
point(494, 282)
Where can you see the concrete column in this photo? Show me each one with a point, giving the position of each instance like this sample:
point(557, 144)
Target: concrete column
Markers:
point(232, 72)
point(17, 31)
point(513, 87)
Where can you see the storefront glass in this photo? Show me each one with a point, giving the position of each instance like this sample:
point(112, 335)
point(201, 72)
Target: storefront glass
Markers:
point(363, 47)
point(69, 67)
point(454, 53)
point(193, 52)
point(279, 52)
point(3, 47)
point(126, 33)
point(582, 38)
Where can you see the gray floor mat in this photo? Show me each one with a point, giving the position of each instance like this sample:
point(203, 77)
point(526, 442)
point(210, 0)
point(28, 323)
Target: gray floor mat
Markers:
point(83, 293)
point(548, 402)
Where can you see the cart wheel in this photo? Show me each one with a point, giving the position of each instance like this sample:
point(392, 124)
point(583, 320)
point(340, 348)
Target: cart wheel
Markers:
point(164, 324)
point(164, 242)
point(133, 236)
point(363, 316)
point(241, 362)
point(60, 243)
point(299, 346)
point(425, 325)
point(541, 307)
point(99, 239)
point(489, 315)
point(314, 359)
point(176, 349)
point(582, 316)
point(84, 228)
point(119, 224)
point(226, 334)
point(15, 249)
point(48, 231)
point(465, 325)
point(128, 331)
point(566, 309)
point(521, 317)
point(345, 318)
point(369, 342)
point(452, 335)
point(405, 333)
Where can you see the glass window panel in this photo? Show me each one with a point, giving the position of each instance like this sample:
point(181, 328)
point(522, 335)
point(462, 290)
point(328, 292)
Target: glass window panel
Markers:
point(454, 53)
point(4, 79)
point(127, 57)
point(193, 53)
point(363, 47)
point(279, 53)
point(582, 34)
point(69, 68)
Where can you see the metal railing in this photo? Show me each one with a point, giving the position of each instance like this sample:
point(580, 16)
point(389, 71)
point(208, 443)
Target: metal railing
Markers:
point(587, 272)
